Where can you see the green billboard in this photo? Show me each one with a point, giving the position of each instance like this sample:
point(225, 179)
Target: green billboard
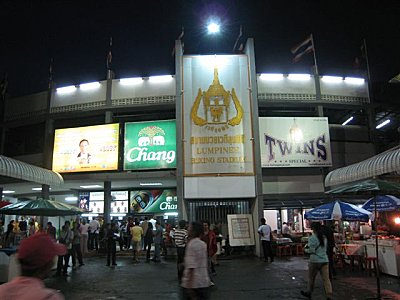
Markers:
point(154, 201)
point(150, 145)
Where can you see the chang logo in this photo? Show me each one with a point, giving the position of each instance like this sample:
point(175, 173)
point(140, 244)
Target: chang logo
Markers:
point(151, 136)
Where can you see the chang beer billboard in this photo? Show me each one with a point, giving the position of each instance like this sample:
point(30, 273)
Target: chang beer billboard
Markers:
point(150, 145)
point(154, 201)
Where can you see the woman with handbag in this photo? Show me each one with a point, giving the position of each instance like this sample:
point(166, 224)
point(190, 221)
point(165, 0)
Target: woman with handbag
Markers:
point(319, 262)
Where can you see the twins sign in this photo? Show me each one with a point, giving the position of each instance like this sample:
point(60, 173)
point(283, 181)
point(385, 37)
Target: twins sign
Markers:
point(295, 142)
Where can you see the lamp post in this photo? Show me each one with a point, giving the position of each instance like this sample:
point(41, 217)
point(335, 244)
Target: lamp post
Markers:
point(213, 29)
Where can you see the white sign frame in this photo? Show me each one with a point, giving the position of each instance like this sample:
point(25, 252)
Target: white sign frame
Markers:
point(241, 230)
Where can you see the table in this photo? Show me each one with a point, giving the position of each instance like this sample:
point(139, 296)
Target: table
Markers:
point(351, 249)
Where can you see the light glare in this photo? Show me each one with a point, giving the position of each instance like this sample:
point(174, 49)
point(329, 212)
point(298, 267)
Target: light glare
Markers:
point(271, 77)
point(299, 77)
point(130, 81)
point(347, 121)
point(162, 78)
point(8, 192)
point(66, 89)
point(332, 79)
point(384, 123)
point(89, 86)
point(213, 28)
point(354, 80)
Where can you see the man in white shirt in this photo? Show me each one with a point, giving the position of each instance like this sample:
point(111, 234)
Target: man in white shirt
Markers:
point(285, 230)
point(94, 227)
point(84, 229)
point(265, 233)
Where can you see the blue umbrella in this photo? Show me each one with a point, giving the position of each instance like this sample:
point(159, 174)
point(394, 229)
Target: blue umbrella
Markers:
point(338, 210)
point(382, 203)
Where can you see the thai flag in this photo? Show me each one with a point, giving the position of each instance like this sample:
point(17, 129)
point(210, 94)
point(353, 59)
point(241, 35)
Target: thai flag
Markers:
point(304, 47)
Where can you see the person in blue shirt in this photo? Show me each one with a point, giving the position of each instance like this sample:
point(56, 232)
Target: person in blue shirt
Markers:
point(319, 262)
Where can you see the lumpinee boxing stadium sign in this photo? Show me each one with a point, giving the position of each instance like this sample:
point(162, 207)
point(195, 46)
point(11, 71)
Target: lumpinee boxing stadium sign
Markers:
point(295, 142)
point(150, 145)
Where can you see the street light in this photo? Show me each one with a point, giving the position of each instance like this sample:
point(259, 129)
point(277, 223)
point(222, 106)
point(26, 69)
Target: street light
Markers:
point(213, 28)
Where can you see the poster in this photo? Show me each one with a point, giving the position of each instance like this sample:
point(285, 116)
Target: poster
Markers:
point(241, 231)
point(154, 201)
point(217, 125)
point(86, 149)
point(150, 145)
point(295, 142)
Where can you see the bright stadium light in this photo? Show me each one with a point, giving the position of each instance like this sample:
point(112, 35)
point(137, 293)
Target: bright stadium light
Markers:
point(348, 121)
point(162, 78)
point(354, 80)
point(131, 81)
point(89, 86)
point(66, 89)
point(271, 77)
point(299, 77)
point(384, 123)
point(332, 79)
point(213, 28)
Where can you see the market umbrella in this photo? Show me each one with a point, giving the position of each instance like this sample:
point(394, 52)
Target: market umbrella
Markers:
point(4, 203)
point(373, 187)
point(41, 207)
point(338, 210)
point(382, 203)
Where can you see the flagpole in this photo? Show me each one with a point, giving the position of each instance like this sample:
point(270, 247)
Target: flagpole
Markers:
point(318, 96)
point(370, 109)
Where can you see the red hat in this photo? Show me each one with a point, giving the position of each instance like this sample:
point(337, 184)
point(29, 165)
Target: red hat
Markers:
point(39, 249)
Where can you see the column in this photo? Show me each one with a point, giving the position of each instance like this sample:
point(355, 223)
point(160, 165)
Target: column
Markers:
point(107, 201)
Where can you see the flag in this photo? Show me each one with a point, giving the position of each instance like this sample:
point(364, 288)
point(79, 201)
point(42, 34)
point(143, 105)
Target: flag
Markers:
point(51, 73)
point(395, 79)
point(4, 86)
point(179, 38)
point(361, 57)
point(239, 44)
point(109, 56)
point(304, 47)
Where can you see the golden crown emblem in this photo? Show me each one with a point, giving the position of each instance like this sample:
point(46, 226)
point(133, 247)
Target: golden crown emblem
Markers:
point(216, 106)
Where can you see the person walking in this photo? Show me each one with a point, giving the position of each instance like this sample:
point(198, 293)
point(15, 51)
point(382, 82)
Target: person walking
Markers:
point(84, 230)
point(76, 246)
point(211, 241)
point(66, 237)
point(111, 243)
point(144, 224)
point(265, 233)
point(328, 232)
point(319, 262)
point(148, 240)
point(195, 279)
point(158, 235)
point(179, 237)
point(51, 230)
point(36, 257)
point(137, 234)
point(94, 227)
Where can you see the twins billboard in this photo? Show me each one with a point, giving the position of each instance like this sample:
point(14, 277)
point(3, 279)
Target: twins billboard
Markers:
point(295, 142)
point(150, 145)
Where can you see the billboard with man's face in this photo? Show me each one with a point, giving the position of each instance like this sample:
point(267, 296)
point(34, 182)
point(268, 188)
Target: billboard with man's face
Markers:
point(85, 149)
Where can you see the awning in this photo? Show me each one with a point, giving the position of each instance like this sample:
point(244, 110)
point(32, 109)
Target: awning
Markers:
point(385, 162)
point(17, 169)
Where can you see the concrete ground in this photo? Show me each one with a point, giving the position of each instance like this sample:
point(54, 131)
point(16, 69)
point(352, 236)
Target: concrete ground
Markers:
point(237, 278)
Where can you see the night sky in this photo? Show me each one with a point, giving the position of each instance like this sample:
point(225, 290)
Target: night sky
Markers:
point(76, 35)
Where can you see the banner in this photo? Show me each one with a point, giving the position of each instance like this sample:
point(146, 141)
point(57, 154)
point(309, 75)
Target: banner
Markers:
point(154, 201)
point(150, 145)
point(217, 132)
point(85, 149)
point(295, 142)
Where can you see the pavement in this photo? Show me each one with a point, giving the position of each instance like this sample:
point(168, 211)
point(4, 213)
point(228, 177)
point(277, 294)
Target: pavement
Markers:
point(237, 277)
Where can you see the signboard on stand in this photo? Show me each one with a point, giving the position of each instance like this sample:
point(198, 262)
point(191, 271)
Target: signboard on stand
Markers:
point(241, 231)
